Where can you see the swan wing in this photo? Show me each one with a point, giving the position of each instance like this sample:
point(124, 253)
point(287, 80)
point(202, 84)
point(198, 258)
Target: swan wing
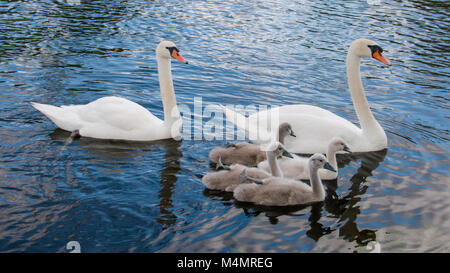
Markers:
point(118, 113)
point(314, 127)
point(107, 117)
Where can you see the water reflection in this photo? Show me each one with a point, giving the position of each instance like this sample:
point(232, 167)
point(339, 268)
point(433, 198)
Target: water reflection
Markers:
point(168, 179)
point(347, 206)
point(224, 196)
point(112, 150)
point(317, 229)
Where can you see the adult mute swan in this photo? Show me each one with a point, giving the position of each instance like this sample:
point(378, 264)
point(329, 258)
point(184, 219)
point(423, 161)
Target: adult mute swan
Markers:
point(229, 178)
point(279, 191)
point(119, 118)
point(245, 153)
point(297, 167)
point(319, 126)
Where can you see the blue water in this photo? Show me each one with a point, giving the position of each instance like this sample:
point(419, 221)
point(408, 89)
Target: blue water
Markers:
point(114, 196)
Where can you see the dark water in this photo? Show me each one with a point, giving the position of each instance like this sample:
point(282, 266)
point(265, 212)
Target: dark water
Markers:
point(148, 197)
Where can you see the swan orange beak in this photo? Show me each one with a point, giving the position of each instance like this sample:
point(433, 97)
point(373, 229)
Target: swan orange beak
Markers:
point(377, 55)
point(176, 55)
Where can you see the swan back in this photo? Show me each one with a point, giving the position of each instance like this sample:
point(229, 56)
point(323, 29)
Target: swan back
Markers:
point(228, 180)
point(242, 153)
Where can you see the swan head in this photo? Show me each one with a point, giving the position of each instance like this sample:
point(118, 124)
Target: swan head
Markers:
point(337, 144)
point(318, 161)
point(277, 149)
point(368, 49)
point(284, 130)
point(167, 50)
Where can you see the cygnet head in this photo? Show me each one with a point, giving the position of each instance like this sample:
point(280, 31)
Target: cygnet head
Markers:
point(277, 149)
point(337, 144)
point(167, 50)
point(284, 130)
point(369, 49)
point(318, 161)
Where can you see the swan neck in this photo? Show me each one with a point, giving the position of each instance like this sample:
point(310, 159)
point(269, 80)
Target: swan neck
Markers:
point(331, 156)
point(171, 112)
point(365, 116)
point(273, 164)
point(281, 136)
point(316, 183)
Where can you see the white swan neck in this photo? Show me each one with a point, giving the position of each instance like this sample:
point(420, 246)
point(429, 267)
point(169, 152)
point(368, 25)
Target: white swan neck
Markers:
point(366, 119)
point(331, 156)
point(273, 164)
point(282, 134)
point(316, 183)
point(171, 112)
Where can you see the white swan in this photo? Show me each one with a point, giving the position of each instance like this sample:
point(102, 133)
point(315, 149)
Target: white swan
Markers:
point(245, 153)
point(297, 167)
point(319, 126)
point(278, 191)
point(119, 118)
point(229, 178)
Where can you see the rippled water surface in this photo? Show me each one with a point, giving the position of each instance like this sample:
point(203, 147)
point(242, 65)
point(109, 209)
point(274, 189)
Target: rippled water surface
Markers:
point(148, 197)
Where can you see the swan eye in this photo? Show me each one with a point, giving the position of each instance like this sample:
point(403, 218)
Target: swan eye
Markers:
point(374, 49)
point(171, 49)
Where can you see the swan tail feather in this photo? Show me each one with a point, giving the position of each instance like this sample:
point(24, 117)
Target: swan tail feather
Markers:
point(62, 117)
